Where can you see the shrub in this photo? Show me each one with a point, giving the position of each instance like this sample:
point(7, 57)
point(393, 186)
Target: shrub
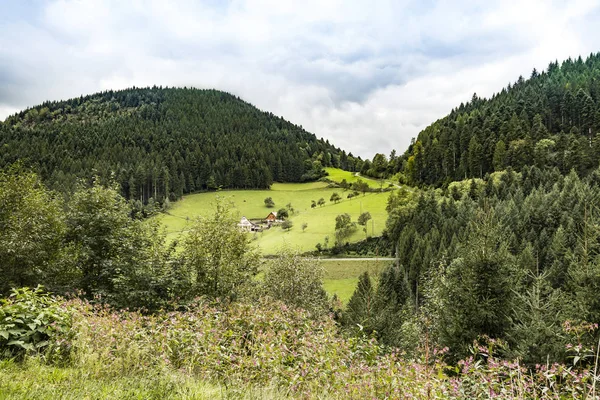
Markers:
point(269, 344)
point(335, 197)
point(283, 213)
point(30, 321)
point(217, 256)
point(32, 230)
point(297, 281)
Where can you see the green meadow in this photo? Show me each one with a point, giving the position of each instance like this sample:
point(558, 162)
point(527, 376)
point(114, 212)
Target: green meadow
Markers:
point(320, 220)
point(337, 175)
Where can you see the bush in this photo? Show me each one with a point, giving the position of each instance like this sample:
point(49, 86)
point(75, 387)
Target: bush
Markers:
point(283, 213)
point(217, 257)
point(297, 281)
point(287, 225)
point(267, 344)
point(269, 203)
point(32, 233)
point(30, 321)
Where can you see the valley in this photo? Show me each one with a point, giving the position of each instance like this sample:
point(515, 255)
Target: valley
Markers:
point(179, 242)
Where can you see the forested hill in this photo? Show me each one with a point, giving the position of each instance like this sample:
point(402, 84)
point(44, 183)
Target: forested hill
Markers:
point(551, 119)
point(159, 142)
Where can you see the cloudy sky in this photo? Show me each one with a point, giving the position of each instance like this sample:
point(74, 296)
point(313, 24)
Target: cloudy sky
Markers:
point(367, 75)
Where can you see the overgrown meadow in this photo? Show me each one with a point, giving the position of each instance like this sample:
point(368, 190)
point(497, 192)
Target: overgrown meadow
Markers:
point(266, 349)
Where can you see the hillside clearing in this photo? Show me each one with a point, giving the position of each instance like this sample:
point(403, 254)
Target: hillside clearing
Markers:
point(337, 175)
point(320, 220)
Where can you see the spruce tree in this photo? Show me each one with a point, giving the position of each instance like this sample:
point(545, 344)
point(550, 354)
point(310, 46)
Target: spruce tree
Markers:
point(477, 293)
point(360, 311)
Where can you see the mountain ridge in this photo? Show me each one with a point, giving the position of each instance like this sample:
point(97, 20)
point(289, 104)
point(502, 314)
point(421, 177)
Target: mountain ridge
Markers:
point(163, 142)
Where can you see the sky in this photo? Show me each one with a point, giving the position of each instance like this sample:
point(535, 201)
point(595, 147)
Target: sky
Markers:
point(366, 75)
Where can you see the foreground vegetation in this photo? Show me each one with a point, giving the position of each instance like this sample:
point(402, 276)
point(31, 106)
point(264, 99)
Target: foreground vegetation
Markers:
point(260, 350)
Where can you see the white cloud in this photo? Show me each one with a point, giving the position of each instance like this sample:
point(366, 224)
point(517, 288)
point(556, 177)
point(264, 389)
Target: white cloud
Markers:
point(368, 76)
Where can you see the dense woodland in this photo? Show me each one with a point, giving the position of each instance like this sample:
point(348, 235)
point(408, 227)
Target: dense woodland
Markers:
point(508, 245)
point(513, 258)
point(551, 119)
point(160, 143)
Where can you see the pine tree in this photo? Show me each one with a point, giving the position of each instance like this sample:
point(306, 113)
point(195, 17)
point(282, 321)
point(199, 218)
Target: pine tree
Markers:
point(477, 294)
point(499, 156)
point(475, 158)
point(360, 311)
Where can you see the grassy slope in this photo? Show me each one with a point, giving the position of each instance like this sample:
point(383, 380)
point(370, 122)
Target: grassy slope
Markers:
point(337, 175)
point(341, 276)
point(320, 220)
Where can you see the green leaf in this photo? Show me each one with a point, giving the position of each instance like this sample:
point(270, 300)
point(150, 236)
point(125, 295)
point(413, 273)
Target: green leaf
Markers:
point(32, 326)
point(4, 334)
point(42, 344)
point(28, 346)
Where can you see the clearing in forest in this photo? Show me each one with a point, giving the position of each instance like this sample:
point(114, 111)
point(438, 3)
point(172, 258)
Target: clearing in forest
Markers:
point(319, 220)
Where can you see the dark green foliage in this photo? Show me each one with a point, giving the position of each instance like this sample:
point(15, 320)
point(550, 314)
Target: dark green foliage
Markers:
point(360, 311)
point(216, 256)
point(363, 220)
point(161, 143)
point(537, 313)
point(476, 296)
point(335, 197)
point(287, 225)
point(269, 202)
point(92, 244)
point(360, 186)
point(512, 260)
point(33, 248)
point(30, 320)
point(344, 227)
point(100, 225)
point(283, 213)
point(297, 281)
point(549, 120)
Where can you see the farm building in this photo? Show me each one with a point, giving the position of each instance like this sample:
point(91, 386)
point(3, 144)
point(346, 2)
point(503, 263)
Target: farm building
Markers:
point(272, 217)
point(248, 226)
